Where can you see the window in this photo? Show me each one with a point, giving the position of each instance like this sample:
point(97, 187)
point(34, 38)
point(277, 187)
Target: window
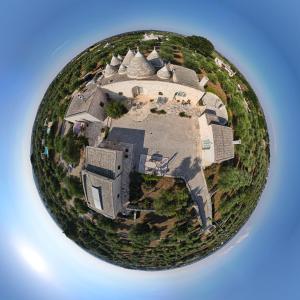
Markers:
point(118, 196)
point(126, 150)
point(126, 156)
point(101, 104)
point(120, 93)
point(206, 144)
point(119, 167)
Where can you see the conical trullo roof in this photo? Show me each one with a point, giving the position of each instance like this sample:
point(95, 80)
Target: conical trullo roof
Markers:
point(164, 72)
point(115, 61)
point(128, 57)
point(155, 59)
point(109, 71)
point(139, 67)
point(122, 69)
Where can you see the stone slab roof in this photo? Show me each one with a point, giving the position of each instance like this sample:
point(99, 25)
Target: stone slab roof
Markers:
point(164, 72)
point(211, 117)
point(155, 59)
point(139, 67)
point(115, 61)
point(185, 76)
point(88, 101)
point(103, 161)
point(128, 57)
point(223, 146)
point(106, 187)
point(110, 70)
point(122, 69)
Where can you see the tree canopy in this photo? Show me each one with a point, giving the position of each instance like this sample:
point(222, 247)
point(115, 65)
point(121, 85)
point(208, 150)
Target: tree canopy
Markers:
point(142, 233)
point(115, 109)
point(233, 179)
point(200, 44)
point(169, 202)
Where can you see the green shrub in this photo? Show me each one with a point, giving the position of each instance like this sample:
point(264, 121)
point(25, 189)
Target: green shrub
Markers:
point(71, 146)
point(142, 233)
point(74, 186)
point(213, 77)
point(80, 206)
point(184, 115)
point(233, 179)
point(115, 109)
point(200, 44)
point(169, 202)
point(158, 111)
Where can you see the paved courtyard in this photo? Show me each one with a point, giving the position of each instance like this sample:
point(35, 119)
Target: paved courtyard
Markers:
point(171, 136)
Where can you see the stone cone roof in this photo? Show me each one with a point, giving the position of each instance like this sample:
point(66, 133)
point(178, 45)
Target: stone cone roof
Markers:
point(164, 72)
point(115, 61)
point(109, 71)
point(128, 57)
point(155, 59)
point(122, 69)
point(140, 67)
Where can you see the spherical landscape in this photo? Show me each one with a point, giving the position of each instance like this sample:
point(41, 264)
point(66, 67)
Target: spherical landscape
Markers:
point(150, 149)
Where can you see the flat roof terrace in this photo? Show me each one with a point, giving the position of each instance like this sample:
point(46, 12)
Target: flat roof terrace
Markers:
point(169, 135)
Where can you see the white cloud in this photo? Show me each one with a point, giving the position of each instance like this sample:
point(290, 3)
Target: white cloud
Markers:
point(32, 257)
point(242, 237)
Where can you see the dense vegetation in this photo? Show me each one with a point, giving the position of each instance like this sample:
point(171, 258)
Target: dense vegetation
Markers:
point(115, 109)
point(167, 234)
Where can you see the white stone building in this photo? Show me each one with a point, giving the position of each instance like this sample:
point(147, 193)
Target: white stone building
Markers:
point(137, 75)
point(216, 140)
point(220, 63)
point(102, 180)
point(87, 105)
point(151, 36)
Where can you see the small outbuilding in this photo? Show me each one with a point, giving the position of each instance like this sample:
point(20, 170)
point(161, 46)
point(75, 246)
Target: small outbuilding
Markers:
point(217, 143)
point(87, 105)
point(101, 180)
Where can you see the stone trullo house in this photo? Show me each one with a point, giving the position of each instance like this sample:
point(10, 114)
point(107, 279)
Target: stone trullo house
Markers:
point(87, 105)
point(104, 181)
point(137, 75)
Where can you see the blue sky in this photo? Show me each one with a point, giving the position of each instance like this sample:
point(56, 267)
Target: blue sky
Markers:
point(38, 38)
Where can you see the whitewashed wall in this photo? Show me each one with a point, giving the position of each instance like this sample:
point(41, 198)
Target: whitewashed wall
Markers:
point(152, 88)
point(207, 155)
